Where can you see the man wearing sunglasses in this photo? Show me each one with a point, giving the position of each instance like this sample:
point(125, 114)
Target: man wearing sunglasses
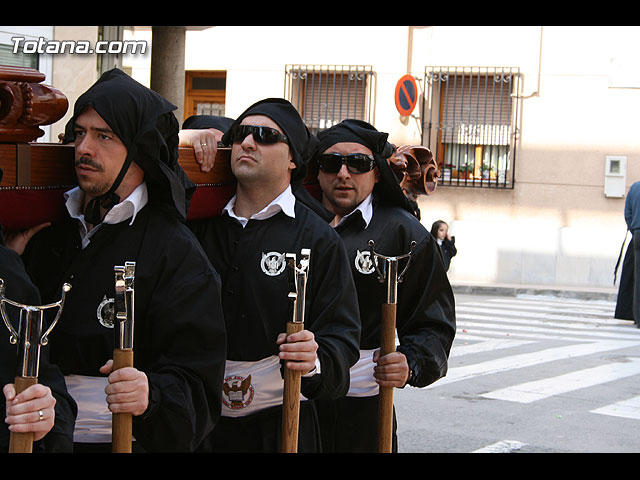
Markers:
point(247, 243)
point(362, 192)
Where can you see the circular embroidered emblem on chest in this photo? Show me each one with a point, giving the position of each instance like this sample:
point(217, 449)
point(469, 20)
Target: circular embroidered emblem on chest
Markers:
point(364, 263)
point(273, 263)
point(237, 392)
point(106, 312)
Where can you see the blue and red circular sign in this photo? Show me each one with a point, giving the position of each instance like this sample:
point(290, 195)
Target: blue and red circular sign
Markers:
point(406, 95)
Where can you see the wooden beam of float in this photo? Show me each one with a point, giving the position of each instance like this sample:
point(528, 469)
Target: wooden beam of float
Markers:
point(36, 175)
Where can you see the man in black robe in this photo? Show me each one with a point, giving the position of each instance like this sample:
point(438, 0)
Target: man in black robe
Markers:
point(50, 413)
point(246, 244)
point(130, 206)
point(361, 191)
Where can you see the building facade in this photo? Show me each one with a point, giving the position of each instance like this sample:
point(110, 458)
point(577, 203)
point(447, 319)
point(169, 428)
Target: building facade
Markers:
point(534, 127)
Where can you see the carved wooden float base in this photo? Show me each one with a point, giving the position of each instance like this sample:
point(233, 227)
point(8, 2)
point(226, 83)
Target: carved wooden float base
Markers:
point(36, 175)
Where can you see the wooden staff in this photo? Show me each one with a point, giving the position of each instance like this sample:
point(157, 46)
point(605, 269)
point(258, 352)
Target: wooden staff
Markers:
point(292, 378)
point(122, 428)
point(29, 339)
point(388, 339)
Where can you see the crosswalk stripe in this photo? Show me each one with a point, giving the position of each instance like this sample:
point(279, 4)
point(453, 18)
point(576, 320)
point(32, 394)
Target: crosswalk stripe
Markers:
point(556, 303)
point(530, 326)
point(498, 313)
point(500, 323)
point(629, 408)
point(512, 362)
point(540, 389)
point(486, 345)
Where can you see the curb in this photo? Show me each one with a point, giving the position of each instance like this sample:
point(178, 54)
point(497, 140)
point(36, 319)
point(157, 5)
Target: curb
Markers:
point(608, 294)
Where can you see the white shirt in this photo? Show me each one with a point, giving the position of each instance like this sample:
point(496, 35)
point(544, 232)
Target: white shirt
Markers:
point(127, 208)
point(365, 208)
point(284, 202)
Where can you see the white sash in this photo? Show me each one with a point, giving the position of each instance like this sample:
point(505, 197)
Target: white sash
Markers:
point(252, 386)
point(362, 382)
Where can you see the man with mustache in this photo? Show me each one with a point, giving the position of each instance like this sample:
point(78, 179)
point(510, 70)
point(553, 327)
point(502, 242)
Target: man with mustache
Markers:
point(263, 222)
point(130, 206)
point(364, 197)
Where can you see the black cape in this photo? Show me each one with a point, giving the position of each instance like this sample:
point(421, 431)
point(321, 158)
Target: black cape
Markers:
point(19, 288)
point(425, 303)
point(257, 308)
point(179, 339)
point(425, 319)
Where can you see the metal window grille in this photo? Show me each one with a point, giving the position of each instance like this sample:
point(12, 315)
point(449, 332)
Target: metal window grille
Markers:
point(327, 94)
point(18, 59)
point(470, 123)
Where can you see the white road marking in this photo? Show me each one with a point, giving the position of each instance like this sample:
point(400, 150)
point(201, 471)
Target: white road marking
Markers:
point(513, 362)
point(629, 408)
point(540, 389)
point(504, 446)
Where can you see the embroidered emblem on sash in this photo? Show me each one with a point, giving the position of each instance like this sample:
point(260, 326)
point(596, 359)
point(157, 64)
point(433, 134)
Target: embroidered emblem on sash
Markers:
point(273, 263)
point(363, 262)
point(237, 392)
point(105, 312)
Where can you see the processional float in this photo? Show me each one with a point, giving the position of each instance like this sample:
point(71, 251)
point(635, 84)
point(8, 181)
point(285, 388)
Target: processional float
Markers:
point(36, 174)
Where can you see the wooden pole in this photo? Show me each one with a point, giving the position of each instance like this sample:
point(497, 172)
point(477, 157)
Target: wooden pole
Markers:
point(291, 401)
point(22, 442)
point(385, 409)
point(122, 426)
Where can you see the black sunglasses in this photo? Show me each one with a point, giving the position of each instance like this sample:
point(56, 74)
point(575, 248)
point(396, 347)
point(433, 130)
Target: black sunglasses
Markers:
point(355, 162)
point(266, 135)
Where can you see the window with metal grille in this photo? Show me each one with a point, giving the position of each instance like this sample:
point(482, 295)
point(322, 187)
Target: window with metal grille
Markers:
point(327, 94)
point(17, 59)
point(470, 124)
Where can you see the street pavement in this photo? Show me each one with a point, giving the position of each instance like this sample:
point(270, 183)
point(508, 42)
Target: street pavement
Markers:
point(530, 374)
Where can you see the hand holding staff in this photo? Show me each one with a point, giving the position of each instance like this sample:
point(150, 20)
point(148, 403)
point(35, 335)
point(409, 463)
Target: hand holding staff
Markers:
point(29, 339)
point(388, 338)
point(292, 378)
point(122, 428)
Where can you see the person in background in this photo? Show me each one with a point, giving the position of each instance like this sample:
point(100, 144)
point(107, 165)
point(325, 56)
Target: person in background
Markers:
point(628, 300)
point(446, 242)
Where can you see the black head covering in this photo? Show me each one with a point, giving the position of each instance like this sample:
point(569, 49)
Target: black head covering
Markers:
point(201, 122)
point(144, 122)
point(358, 131)
point(301, 142)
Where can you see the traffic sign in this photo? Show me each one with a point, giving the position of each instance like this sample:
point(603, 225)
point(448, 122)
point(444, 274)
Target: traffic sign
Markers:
point(406, 95)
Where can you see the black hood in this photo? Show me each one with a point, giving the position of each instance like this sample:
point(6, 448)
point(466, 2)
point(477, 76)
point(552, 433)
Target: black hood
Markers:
point(358, 131)
point(302, 142)
point(144, 122)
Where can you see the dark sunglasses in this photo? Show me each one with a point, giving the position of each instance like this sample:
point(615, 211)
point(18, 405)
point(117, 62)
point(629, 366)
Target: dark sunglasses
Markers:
point(355, 162)
point(266, 135)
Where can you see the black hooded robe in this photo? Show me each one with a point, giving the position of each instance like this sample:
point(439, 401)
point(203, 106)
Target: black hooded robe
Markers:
point(179, 339)
point(256, 310)
point(256, 305)
point(425, 318)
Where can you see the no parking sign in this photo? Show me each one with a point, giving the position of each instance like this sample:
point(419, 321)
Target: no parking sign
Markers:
point(406, 95)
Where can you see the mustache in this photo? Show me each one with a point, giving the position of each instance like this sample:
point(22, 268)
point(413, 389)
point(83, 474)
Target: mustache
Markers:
point(88, 161)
